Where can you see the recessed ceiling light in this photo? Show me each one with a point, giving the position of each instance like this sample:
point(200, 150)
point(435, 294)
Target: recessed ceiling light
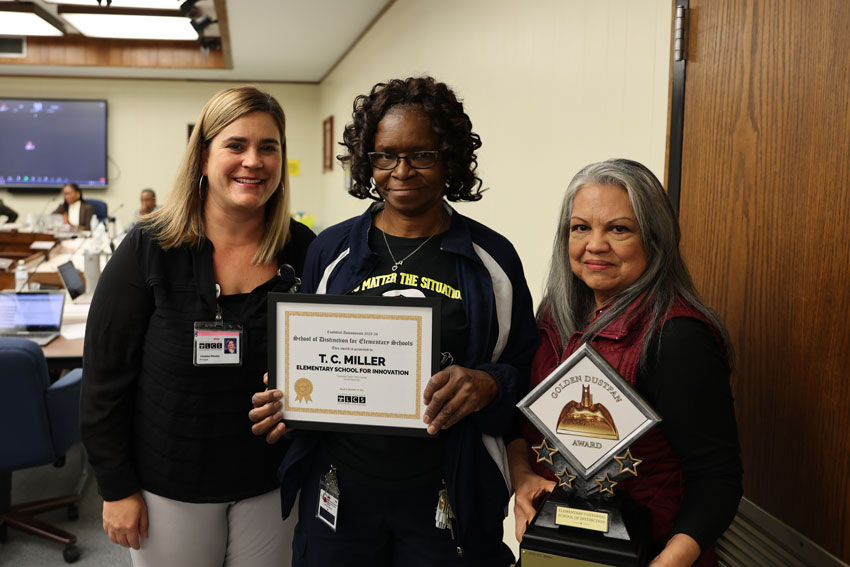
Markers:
point(22, 19)
point(132, 27)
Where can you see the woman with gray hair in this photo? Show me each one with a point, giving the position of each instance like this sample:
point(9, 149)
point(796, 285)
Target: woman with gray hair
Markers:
point(617, 281)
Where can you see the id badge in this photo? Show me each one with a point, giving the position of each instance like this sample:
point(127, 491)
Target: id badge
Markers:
point(328, 509)
point(218, 344)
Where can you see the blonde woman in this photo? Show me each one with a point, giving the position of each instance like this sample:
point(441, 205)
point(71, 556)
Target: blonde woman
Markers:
point(183, 480)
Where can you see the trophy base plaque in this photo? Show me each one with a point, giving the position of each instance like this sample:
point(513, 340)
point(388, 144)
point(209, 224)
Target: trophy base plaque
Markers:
point(571, 532)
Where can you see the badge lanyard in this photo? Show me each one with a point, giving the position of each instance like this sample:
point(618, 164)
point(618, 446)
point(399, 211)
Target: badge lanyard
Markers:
point(328, 510)
point(219, 342)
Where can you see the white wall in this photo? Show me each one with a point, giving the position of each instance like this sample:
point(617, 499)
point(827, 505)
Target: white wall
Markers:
point(550, 85)
point(147, 134)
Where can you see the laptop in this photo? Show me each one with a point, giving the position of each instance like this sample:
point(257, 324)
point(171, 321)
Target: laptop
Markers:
point(73, 283)
point(34, 315)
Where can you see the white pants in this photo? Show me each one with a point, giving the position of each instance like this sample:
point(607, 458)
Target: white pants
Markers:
point(244, 533)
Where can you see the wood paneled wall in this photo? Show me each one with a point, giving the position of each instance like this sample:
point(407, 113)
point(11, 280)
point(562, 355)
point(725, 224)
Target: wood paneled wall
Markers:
point(765, 213)
point(79, 50)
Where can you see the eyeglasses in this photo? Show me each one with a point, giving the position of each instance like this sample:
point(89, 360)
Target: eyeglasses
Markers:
point(416, 160)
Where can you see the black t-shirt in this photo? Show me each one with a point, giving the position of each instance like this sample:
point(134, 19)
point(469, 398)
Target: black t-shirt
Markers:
point(391, 460)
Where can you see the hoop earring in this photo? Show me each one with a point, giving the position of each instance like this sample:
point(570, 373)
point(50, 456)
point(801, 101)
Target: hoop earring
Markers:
point(201, 187)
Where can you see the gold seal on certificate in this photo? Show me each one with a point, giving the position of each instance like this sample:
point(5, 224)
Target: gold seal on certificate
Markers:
point(303, 389)
point(589, 417)
point(353, 363)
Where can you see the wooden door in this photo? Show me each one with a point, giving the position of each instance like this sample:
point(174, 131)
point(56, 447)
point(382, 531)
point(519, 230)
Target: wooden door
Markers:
point(765, 215)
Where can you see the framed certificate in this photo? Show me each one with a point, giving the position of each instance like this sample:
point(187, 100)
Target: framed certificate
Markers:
point(353, 362)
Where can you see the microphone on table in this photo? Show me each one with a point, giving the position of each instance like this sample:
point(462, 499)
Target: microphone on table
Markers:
point(112, 216)
point(31, 274)
point(111, 219)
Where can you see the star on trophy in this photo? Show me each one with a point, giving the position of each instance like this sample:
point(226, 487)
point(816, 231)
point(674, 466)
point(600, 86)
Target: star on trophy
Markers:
point(589, 417)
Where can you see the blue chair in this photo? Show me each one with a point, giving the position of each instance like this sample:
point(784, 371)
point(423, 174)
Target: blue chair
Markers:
point(99, 208)
point(39, 422)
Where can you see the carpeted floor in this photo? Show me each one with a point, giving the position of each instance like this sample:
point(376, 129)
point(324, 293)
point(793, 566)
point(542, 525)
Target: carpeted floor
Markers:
point(25, 550)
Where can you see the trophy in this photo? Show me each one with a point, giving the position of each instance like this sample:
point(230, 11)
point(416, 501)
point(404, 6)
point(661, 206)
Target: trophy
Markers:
point(589, 416)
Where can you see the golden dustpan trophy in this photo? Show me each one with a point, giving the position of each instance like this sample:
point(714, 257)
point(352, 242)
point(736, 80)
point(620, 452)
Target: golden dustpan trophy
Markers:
point(586, 418)
point(589, 417)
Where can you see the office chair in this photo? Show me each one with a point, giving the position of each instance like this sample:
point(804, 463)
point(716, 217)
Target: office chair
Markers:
point(99, 208)
point(40, 422)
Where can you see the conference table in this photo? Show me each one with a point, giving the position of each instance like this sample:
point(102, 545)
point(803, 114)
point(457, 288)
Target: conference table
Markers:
point(65, 351)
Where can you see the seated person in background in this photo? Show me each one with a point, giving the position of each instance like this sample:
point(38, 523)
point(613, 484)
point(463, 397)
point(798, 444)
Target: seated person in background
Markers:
point(74, 210)
point(147, 203)
point(7, 212)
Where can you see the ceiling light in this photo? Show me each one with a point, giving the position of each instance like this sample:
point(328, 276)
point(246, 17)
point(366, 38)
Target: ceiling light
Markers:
point(132, 27)
point(24, 19)
point(188, 6)
point(210, 43)
point(200, 24)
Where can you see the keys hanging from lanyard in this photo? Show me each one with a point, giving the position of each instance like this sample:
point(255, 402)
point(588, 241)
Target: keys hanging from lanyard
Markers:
point(445, 515)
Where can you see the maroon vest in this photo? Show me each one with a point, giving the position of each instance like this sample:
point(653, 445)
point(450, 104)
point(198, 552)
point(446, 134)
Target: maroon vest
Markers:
point(659, 485)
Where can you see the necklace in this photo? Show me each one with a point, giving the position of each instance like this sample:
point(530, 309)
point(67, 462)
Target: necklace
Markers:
point(397, 263)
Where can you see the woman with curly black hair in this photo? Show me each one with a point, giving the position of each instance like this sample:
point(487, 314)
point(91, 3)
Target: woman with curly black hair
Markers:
point(411, 148)
point(448, 122)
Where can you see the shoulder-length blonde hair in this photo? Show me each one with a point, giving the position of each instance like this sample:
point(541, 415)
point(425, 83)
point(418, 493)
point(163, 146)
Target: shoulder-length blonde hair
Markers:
point(181, 220)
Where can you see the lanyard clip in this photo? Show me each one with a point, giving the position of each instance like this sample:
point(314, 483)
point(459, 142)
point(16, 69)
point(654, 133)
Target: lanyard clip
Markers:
point(287, 274)
point(217, 306)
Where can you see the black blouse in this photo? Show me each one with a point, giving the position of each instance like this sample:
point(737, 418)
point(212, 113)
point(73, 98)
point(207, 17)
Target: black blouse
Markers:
point(150, 418)
point(698, 421)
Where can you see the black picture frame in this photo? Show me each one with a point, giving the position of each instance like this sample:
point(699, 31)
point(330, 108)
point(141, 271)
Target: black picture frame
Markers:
point(428, 305)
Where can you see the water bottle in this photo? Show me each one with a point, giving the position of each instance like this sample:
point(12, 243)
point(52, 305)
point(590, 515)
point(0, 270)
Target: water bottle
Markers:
point(91, 268)
point(21, 276)
point(100, 238)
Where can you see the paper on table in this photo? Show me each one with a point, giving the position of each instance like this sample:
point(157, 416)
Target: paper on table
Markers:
point(74, 331)
point(42, 244)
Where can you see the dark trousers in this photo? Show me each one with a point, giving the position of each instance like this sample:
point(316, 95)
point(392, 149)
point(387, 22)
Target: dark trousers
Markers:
point(379, 527)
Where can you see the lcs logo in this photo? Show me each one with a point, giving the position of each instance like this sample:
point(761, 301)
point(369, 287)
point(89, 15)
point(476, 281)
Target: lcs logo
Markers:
point(351, 399)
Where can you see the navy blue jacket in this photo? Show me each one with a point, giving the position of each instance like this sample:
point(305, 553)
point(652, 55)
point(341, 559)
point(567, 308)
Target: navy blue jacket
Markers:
point(502, 340)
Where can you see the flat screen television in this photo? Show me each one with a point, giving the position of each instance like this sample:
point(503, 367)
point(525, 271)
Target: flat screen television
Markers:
point(46, 143)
